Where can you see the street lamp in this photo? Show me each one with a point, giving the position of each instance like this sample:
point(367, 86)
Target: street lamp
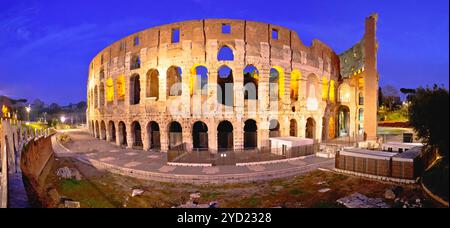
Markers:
point(63, 119)
point(28, 109)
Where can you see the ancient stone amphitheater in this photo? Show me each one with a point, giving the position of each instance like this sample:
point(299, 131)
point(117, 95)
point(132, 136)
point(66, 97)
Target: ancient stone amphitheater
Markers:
point(230, 85)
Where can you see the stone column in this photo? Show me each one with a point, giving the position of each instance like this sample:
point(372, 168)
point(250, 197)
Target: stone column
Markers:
point(130, 136)
point(162, 83)
point(212, 136)
point(238, 135)
point(212, 92)
point(118, 136)
point(302, 127)
point(145, 138)
point(263, 90)
point(164, 134)
point(187, 135)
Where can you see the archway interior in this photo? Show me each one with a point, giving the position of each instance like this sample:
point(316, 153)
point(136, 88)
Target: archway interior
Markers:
point(200, 135)
point(137, 134)
point(174, 81)
point(225, 136)
point(225, 54)
point(344, 121)
point(250, 134)
point(310, 128)
point(274, 128)
point(274, 78)
point(103, 130)
point(199, 80)
point(293, 128)
point(135, 93)
point(123, 134)
point(153, 84)
point(225, 84)
point(251, 80)
point(112, 128)
point(175, 135)
point(154, 135)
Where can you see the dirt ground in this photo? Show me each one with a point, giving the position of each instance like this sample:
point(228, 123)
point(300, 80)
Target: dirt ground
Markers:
point(101, 189)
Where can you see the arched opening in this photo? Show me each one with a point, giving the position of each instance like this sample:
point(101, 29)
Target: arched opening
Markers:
point(102, 95)
point(152, 87)
point(174, 81)
point(274, 80)
point(200, 135)
point(154, 135)
point(135, 62)
point(97, 130)
point(295, 84)
point(251, 80)
point(135, 91)
point(120, 88)
point(198, 84)
point(293, 128)
point(136, 134)
point(310, 131)
point(225, 136)
point(250, 134)
point(103, 130)
point(122, 134)
point(112, 131)
point(225, 54)
point(175, 135)
point(361, 98)
point(344, 121)
point(274, 128)
point(225, 93)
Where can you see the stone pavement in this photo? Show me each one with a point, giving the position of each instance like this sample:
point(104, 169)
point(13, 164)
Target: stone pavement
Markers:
point(153, 165)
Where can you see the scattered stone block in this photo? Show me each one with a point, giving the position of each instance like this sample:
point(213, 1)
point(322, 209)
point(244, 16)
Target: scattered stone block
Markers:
point(358, 200)
point(324, 190)
point(72, 204)
point(389, 194)
point(137, 192)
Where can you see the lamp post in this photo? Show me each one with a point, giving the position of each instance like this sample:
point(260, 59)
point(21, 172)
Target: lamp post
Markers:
point(63, 119)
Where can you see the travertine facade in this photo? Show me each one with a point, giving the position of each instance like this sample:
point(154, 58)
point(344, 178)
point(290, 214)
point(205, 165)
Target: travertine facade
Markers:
point(163, 87)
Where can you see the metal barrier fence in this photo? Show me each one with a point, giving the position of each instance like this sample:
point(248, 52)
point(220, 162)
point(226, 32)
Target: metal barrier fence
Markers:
point(233, 157)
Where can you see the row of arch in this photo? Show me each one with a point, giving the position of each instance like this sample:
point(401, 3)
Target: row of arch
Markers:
point(199, 131)
point(198, 85)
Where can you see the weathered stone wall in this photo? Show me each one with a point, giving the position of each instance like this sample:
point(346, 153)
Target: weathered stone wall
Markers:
point(36, 161)
point(200, 42)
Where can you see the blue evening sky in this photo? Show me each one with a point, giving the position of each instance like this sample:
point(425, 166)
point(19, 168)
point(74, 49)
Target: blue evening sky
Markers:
point(46, 46)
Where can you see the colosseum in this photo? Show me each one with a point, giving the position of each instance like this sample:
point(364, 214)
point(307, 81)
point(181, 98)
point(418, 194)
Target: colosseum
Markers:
point(222, 84)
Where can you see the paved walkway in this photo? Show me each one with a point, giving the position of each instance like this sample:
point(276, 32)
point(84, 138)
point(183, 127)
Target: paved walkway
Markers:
point(153, 166)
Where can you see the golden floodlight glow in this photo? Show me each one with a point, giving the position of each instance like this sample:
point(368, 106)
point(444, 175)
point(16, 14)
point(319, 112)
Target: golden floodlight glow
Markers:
point(109, 90)
point(120, 82)
point(325, 88)
point(332, 91)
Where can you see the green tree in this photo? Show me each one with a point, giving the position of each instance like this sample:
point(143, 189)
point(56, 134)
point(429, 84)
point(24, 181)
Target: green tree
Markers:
point(429, 114)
